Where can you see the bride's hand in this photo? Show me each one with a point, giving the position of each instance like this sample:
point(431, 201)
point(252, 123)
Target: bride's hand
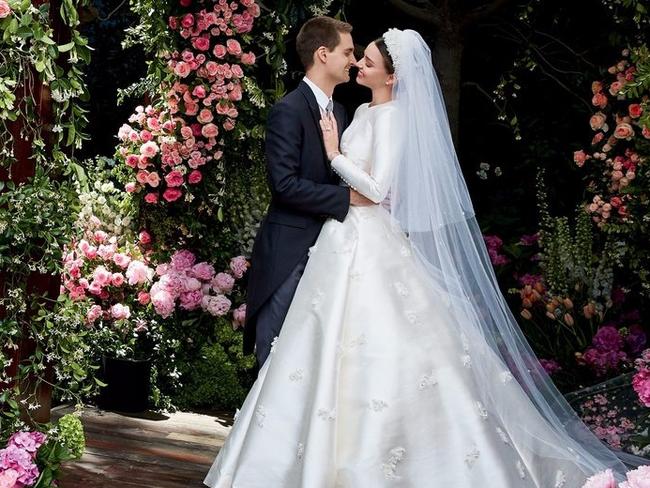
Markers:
point(330, 135)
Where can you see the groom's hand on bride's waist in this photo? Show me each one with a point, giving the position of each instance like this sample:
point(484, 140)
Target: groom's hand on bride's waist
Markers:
point(358, 200)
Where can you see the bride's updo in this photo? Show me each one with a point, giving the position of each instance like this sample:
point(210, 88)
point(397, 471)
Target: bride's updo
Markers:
point(388, 61)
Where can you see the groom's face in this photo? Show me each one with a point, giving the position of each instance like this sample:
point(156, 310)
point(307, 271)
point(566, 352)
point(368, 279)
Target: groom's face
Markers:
point(341, 59)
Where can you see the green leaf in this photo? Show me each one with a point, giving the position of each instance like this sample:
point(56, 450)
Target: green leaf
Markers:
point(66, 47)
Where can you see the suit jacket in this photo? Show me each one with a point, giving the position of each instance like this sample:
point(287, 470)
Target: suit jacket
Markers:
point(305, 191)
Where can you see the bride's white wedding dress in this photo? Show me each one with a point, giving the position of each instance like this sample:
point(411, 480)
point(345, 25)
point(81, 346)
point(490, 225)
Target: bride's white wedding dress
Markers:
point(368, 384)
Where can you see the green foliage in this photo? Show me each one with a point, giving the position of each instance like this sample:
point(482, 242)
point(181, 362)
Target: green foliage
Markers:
point(221, 376)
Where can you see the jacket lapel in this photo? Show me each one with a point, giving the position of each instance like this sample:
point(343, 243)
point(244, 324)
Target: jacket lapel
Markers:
point(315, 114)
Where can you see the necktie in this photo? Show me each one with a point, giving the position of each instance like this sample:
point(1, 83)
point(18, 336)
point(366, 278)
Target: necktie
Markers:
point(329, 108)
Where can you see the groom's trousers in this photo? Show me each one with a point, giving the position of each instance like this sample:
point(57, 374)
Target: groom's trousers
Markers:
point(271, 316)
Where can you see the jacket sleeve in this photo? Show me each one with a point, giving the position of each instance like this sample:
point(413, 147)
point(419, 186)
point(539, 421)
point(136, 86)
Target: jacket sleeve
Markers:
point(373, 185)
point(283, 139)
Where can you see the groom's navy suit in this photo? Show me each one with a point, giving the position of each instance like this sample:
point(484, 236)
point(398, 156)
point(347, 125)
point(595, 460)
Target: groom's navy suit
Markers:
point(304, 193)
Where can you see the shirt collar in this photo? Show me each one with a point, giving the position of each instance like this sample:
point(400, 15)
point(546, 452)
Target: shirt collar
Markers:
point(321, 98)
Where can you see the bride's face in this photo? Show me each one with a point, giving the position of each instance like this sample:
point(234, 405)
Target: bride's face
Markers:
point(372, 68)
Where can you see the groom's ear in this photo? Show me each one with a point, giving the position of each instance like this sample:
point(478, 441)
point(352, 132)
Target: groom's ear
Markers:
point(321, 54)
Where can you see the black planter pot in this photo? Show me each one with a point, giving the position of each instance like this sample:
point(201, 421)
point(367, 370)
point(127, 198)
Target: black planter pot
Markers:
point(128, 384)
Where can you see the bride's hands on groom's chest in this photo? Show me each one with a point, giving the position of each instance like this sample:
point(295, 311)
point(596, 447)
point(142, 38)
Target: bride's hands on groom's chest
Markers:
point(329, 129)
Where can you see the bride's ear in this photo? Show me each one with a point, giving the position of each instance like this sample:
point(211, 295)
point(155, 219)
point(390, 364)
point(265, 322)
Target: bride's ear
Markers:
point(390, 81)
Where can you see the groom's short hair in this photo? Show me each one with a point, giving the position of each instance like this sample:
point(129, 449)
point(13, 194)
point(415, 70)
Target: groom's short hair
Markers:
point(317, 32)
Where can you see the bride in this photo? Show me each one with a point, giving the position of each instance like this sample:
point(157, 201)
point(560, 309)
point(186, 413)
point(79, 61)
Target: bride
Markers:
point(399, 363)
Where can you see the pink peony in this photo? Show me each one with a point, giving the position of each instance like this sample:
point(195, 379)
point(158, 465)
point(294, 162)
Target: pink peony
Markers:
point(239, 316)
point(120, 312)
point(5, 9)
point(238, 266)
point(223, 283)
point(641, 384)
point(138, 273)
point(182, 260)
point(191, 300)
point(9, 477)
point(203, 271)
point(638, 478)
point(174, 178)
point(163, 301)
point(217, 306)
point(604, 479)
point(172, 194)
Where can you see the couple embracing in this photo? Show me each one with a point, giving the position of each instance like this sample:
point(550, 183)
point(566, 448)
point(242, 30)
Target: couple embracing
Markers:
point(388, 356)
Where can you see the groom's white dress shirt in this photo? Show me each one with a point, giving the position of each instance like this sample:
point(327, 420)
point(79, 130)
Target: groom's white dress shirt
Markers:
point(323, 100)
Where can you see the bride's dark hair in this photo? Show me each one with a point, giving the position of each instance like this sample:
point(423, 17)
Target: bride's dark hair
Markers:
point(388, 61)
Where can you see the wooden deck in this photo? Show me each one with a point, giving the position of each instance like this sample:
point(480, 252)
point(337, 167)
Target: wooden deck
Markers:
point(145, 451)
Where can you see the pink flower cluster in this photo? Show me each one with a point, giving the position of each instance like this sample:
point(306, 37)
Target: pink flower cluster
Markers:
point(494, 245)
point(641, 380)
point(211, 65)
point(110, 276)
point(192, 285)
point(164, 153)
point(551, 366)
point(5, 9)
point(606, 421)
point(637, 478)
point(17, 466)
point(607, 352)
point(616, 124)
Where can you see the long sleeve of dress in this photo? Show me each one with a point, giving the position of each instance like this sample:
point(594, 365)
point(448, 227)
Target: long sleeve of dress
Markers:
point(376, 184)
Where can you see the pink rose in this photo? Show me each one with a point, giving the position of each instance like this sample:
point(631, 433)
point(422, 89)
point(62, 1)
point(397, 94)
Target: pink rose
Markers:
point(144, 237)
point(122, 260)
point(205, 116)
point(597, 121)
point(132, 160)
point(596, 87)
point(201, 43)
point(149, 149)
point(219, 51)
point(174, 178)
point(5, 9)
point(138, 273)
point(144, 297)
point(237, 72)
point(182, 69)
point(623, 131)
point(199, 91)
point(187, 21)
point(233, 47)
point(153, 179)
point(194, 177)
point(212, 67)
point(599, 100)
point(102, 276)
point(117, 279)
point(229, 124)
point(248, 58)
point(120, 312)
point(580, 157)
point(210, 130)
point(145, 135)
point(172, 23)
point(151, 198)
point(100, 236)
point(172, 194)
point(616, 87)
point(635, 110)
point(94, 313)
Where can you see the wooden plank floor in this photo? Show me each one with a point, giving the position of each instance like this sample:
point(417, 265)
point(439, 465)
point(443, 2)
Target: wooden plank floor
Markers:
point(145, 451)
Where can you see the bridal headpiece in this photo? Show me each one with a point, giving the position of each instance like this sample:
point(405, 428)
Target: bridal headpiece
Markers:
point(393, 39)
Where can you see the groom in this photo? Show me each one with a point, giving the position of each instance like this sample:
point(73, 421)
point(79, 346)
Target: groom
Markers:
point(305, 191)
